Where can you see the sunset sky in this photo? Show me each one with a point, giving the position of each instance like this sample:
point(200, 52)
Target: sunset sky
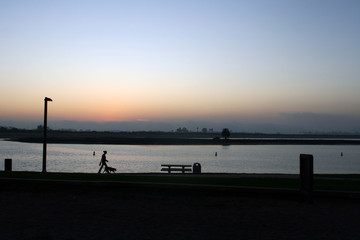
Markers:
point(265, 62)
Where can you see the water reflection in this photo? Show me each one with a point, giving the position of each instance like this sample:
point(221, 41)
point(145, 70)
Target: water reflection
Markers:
point(229, 159)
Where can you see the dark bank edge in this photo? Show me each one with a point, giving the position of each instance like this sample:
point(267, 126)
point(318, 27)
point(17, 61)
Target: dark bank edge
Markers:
point(190, 141)
point(265, 184)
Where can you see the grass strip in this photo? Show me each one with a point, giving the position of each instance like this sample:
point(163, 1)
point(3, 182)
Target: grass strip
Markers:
point(331, 182)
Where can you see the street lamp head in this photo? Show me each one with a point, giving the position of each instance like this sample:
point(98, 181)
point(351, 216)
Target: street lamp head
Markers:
point(48, 99)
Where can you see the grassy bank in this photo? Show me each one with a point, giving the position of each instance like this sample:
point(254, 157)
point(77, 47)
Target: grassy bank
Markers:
point(173, 138)
point(333, 182)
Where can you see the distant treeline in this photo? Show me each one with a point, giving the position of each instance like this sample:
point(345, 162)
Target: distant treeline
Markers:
point(171, 138)
point(186, 133)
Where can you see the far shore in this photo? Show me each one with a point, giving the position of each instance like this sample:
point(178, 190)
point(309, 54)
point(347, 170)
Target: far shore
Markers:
point(189, 141)
point(173, 138)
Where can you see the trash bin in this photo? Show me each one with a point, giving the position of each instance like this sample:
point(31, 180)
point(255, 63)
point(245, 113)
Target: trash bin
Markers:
point(8, 164)
point(196, 168)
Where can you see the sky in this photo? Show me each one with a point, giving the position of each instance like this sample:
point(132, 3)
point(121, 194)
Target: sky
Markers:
point(253, 64)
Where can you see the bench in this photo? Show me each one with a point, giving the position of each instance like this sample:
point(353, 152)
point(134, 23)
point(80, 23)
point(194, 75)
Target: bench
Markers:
point(175, 168)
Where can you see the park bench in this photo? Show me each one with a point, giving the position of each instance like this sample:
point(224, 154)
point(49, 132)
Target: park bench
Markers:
point(175, 168)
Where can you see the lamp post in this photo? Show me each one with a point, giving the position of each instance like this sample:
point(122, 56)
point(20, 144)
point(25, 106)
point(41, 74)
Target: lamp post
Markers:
point(45, 131)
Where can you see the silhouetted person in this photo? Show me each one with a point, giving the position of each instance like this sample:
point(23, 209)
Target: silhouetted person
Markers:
point(103, 161)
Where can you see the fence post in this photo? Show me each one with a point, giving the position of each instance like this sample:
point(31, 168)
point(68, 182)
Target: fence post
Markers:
point(8, 164)
point(307, 176)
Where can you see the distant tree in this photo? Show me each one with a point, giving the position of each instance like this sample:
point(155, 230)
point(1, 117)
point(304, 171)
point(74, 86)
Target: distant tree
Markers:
point(204, 130)
point(3, 128)
point(225, 133)
point(41, 128)
point(182, 130)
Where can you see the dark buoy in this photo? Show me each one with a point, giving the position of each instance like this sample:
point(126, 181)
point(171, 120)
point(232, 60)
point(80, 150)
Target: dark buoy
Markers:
point(215, 154)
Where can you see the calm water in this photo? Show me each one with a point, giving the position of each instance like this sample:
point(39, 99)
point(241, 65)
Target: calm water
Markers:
point(230, 159)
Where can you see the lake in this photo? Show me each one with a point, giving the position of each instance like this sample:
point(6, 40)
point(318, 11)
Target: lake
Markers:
point(148, 158)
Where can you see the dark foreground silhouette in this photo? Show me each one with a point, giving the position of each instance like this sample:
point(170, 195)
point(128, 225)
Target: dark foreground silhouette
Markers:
point(97, 211)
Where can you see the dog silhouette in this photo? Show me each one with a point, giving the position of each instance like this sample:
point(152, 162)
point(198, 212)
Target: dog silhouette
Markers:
point(110, 170)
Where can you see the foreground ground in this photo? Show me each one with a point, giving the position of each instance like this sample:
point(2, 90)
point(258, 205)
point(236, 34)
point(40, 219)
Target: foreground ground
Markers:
point(93, 211)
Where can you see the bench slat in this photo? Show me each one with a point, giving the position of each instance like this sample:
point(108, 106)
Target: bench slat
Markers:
point(176, 169)
point(175, 165)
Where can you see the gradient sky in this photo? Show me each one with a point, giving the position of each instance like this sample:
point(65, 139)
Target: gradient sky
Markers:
point(179, 60)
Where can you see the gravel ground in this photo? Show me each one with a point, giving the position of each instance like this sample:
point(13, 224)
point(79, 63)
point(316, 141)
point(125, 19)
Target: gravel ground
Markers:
point(30, 211)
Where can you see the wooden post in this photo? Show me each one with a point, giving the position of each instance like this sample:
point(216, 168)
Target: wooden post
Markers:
point(307, 176)
point(8, 165)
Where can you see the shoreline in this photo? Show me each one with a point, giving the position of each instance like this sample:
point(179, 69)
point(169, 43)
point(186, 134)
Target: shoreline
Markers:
point(186, 141)
point(286, 183)
point(171, 138)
